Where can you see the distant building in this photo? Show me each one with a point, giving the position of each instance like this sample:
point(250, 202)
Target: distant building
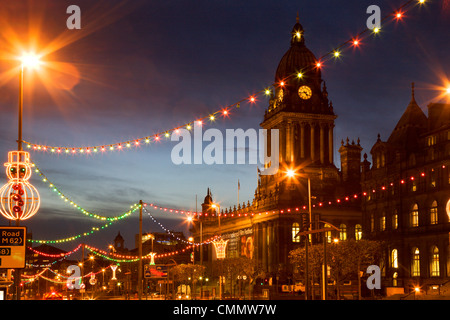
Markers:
point(407, 204)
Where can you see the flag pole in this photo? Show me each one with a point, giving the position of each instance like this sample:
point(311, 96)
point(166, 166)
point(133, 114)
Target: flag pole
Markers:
point(239, 188)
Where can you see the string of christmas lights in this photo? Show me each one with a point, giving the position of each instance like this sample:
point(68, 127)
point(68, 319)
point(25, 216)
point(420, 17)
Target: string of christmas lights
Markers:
point(75, 205)
point(76, 278)
point(129, 258)
point(171, 210)
point(85, 234)
point(354, 42)
point(48, 265)
point(61, 255)
point(340, 200)
point(31, 278)
point(172, 234)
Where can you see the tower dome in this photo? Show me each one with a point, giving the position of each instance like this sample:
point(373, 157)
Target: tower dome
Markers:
point(208, 199)
point(298, 57)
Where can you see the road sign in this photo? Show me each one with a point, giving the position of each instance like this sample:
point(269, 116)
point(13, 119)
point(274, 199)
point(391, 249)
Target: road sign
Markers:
point(12, 247)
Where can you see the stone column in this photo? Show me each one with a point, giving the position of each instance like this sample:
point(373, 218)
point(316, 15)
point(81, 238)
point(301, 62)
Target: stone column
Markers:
point(269, 248)
point(313, 151)
point(282, 151)
point(264, 246)
point(322, 143)
point(289, 142)
point(330, 143)
point(302, 140)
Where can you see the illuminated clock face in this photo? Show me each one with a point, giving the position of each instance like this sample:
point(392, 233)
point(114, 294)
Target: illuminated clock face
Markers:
point(304, 92)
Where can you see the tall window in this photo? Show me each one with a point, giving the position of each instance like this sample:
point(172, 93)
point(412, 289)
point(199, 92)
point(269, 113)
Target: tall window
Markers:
point(358, 232)
point(383, 222)
point(413, 186)
point(295, 230)
point(395, 220)
point(434, 268)
point(342, 232)
point(394, 258)
point(431, 140)
point(415, 266)
point(372, 223)
point(394, 279)
point(414, 216)
point(433, 178)
point(433, 213)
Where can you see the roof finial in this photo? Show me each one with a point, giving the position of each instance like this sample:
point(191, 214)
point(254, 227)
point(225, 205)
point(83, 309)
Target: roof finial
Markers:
point(298, 18)
point(412, 89)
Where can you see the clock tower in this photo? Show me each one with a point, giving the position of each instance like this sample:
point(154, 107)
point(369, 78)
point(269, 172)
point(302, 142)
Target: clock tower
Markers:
point(300, 109)
point(301, 112)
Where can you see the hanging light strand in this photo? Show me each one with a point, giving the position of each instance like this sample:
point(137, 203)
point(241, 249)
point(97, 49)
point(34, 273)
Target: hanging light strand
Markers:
point(85, 234)
point(70, 202)
point(225, 112)
point(171, 233)
point(408, 181)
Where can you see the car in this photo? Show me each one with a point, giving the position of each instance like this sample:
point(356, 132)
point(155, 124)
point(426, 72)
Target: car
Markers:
point(53, 296)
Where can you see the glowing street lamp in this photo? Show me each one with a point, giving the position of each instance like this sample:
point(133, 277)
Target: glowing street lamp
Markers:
point(28, 60)
point(19, 200)
point(290, 173)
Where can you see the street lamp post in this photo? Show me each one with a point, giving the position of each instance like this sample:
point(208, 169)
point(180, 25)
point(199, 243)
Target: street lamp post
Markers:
point(291, 173)
point(29, 61)
point(307, 241)
point(140, 252)
point(216, 205)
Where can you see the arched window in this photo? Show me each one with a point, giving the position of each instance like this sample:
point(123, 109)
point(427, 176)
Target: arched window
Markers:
point(433, 213)
point(295, 230)
point(414, 216)
point(434, 268)
point(394, 258)
point(342, 232)
point(415, 262)
point(358, 232)
point(394, 279)
point(447, 209)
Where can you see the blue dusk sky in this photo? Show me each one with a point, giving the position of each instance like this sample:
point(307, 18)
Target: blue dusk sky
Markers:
point(138, 68)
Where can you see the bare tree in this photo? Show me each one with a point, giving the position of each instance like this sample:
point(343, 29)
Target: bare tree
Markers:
point(346, 259)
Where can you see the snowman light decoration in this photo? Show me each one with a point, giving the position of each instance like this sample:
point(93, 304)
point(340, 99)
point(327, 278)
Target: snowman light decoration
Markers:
point(19, 200)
